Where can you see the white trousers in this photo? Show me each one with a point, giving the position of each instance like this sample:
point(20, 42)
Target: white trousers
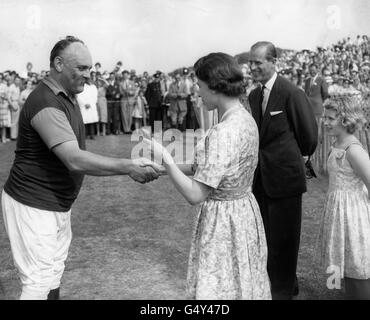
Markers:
point(39, 241)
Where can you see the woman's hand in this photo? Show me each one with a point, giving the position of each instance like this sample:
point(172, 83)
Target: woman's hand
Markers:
point(159, 151)
point(143, 170)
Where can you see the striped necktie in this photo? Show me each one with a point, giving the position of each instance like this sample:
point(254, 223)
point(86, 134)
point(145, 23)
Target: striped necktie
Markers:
point(261, 100)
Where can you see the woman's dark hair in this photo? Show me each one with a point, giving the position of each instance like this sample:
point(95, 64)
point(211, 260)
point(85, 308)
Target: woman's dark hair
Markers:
point(222, 73)
point(60, 46)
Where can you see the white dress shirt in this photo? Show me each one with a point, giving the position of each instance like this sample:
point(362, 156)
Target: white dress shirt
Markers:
point(266, 93)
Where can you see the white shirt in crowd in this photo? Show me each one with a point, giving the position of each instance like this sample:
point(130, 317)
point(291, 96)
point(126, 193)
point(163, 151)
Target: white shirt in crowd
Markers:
point(88, 97)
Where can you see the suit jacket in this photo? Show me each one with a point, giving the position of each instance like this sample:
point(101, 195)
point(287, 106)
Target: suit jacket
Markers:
point(113, 93)
point(153, 95)
point(127, 89)
point(288, 130)
point(317, 92)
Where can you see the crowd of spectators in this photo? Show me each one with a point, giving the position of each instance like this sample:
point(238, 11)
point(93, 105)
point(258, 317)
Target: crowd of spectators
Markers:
point(114, 102)
point(122, 100)
point(345, 66)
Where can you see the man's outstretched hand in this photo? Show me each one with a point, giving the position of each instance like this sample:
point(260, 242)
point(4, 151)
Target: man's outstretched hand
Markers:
point(143, 170)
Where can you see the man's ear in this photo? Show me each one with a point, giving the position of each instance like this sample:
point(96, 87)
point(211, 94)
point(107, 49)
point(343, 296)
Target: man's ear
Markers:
point(58, 64)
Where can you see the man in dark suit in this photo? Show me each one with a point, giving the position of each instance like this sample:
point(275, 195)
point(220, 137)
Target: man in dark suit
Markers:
point(153, 95)
point(316, 89)
point(288, 131)
point(113, 97)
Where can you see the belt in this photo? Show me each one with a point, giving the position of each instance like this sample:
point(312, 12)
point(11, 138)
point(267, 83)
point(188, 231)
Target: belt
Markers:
point(230, 194)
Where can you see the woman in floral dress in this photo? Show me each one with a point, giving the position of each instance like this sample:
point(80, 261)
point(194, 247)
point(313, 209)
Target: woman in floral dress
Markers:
point(228, 256)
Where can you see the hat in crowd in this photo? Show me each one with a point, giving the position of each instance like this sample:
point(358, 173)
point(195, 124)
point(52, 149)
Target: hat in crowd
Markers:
point(347, 80)
point(286, 71)
point(185, 71)
point(157, 74)
point(105, 75)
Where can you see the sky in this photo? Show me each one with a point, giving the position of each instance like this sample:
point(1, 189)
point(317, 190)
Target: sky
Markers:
point(150, 35)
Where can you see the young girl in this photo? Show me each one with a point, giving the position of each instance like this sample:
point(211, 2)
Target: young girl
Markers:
point(139, 111)
point(102, 85)
point(344, 237)
point(25, 93)
point(5, 115)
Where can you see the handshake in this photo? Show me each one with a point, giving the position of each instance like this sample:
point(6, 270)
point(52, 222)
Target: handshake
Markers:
point(144, 170)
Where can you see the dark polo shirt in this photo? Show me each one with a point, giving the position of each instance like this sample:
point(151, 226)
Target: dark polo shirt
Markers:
point(38, 178)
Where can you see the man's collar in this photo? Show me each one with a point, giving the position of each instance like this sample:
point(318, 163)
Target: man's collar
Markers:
point(57, 88)
point(269, 84)
point(54, 85)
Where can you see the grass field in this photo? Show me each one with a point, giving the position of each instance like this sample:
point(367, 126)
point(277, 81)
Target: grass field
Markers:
point(131, 241)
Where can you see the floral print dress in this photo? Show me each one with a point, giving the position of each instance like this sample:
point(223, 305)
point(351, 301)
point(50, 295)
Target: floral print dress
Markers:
point(344, 236)
point(228, 256)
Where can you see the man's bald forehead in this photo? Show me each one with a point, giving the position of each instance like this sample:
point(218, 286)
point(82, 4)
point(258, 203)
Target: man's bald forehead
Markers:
point(77, 51)
point(76, 48)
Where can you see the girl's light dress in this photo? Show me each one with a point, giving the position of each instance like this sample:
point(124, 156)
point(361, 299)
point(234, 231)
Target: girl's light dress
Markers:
point(344, 236)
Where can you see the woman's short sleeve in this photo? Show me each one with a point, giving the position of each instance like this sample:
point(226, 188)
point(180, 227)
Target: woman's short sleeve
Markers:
point(213, 157)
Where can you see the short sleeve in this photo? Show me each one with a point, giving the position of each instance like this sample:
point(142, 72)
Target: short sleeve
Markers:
point(213, 157)
point(53, 127)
